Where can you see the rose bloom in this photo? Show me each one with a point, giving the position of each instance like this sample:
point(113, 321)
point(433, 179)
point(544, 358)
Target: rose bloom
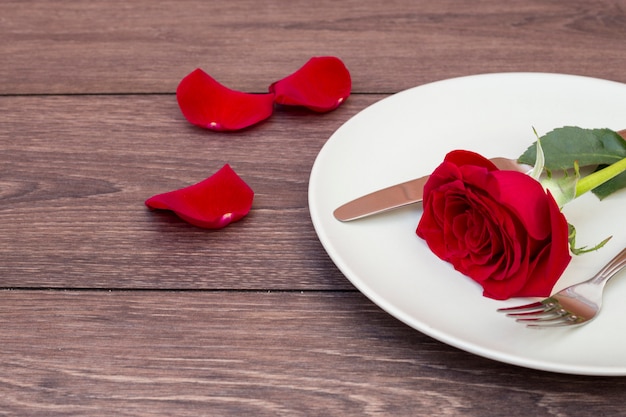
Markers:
point(498, 227)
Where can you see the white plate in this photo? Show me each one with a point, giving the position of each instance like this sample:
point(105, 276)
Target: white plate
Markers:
point(406, 136)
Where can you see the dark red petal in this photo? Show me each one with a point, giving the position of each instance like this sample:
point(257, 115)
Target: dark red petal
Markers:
point(462, 157)
point(552, 260)
point(213, 203)
point(207, 103)
point(322, 84)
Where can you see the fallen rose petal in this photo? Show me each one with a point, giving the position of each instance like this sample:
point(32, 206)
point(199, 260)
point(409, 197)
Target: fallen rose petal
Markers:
point(322, 84)
point(207, 103)
point(213, 203)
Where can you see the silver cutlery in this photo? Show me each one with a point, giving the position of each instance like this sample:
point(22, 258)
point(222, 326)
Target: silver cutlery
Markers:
point(402, 194)
point(574, 305)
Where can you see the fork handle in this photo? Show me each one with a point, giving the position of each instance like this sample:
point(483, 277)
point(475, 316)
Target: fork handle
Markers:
point(609, 270)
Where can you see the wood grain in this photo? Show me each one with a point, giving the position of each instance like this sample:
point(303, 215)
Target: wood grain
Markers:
point(262, 354)
point(114, 46)
point(76, 173)
point(109, 309)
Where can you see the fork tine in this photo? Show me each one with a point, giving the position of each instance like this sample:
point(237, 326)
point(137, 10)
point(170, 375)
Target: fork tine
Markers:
point(568, 320)
point(545, 310)
point(551, 317)
point(526, 307)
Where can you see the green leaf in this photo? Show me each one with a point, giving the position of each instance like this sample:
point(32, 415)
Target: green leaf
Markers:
point(563, 146)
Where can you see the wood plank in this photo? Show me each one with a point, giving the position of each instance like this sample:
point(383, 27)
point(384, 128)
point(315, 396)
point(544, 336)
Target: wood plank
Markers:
point(262, 354)
point(75, 172)
point(107, 46)
point(151, 316)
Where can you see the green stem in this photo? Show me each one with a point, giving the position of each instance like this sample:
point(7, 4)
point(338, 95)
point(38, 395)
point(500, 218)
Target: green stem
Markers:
point(598, 178)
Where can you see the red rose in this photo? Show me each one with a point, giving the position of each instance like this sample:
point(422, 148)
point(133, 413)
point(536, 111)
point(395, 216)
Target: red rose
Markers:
point(500, 228)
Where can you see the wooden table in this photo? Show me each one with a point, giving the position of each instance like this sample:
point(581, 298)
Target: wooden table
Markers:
point(109, 309)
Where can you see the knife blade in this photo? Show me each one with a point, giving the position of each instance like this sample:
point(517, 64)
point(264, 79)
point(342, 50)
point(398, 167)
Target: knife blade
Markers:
point(398, 195)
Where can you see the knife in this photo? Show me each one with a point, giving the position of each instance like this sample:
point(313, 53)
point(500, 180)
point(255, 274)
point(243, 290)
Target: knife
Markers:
point(398, 195)
point(402, 194)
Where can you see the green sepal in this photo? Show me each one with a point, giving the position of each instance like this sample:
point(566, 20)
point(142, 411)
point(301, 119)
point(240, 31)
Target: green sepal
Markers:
point(584, 249)
point(563, 189)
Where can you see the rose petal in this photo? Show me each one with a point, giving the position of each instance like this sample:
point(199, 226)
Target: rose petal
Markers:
point(322, 84)
point(213, 203)
point(207, 103)
point(551, 262)
point(462, 157)
point(525, 197)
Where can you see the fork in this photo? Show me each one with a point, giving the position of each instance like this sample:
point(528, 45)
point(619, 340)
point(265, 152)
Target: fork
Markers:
point(574, 305)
